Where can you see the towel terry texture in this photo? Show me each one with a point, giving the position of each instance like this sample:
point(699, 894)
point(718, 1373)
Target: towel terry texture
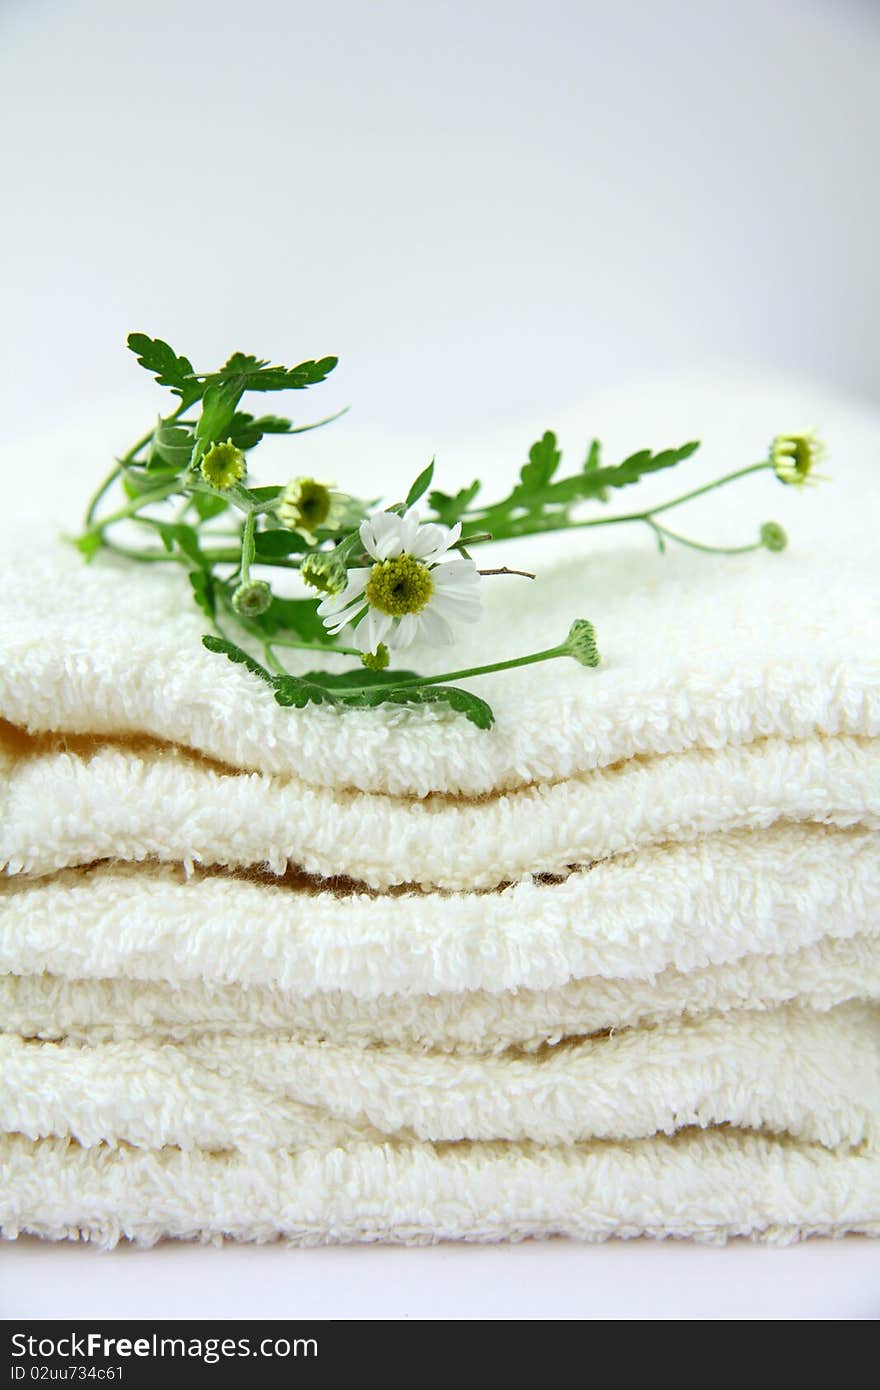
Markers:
point(611, 968)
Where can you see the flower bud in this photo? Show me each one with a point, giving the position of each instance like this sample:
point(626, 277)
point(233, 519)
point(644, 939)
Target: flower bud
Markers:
point(252, 598)
point(377, 660)
point(323, 570)
point(306, 505)
point(581, 643)
point(223, 465)
point(773, 536)
point(794, 456)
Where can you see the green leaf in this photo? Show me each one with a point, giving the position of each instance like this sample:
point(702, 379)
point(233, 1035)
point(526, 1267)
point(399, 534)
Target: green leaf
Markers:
point(299, 692)
point(462, 701)
point(235, 654)
point(88, 545)
point(449, 509)
point(360, 693)
point(592, 463)
point(246, 373)
point(544, 459)
point(592, 482)
point(275, 543)
point(421, 485)
point(246, 431)
point(185, 537)
point(540, 499)
point(264, 494)
point(136, 481)
point(203, 591)
point(218, 410)
point(357, 677)
point(297, 616)
point(169, 369)
point(171, 445)
point(358, 689)
point(207, 505)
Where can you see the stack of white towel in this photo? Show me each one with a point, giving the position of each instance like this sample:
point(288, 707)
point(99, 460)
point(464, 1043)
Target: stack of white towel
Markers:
point(611, 968)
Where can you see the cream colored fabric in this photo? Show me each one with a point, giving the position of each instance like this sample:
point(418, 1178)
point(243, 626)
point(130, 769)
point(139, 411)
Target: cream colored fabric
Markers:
point(745, 920)
point(611, 968)
point(705, 1186)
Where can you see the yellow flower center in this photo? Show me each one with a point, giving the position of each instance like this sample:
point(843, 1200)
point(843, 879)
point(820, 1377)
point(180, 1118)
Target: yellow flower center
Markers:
point(313, 504)
point(305, 505)
point(223, 465)
point(399, 586)
point(794, 455)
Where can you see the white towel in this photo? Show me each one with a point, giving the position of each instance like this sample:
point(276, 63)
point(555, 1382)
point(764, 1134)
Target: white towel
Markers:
point(741, 920)
point(556, 1044)
point(610, 968)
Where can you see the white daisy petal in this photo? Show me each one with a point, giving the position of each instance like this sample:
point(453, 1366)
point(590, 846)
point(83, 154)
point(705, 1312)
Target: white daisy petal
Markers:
point(354, 606)
point(450, 602)
point(456, 612)
point(409, 531)
point(368, 538)
point(366, 640)
point(434, 628)
point(374, 629)
point(357, 582)
point(337, 621)
point(431, 542)
point(455, 572)
point(403, 632)
point(380, 535)
point(453, 595)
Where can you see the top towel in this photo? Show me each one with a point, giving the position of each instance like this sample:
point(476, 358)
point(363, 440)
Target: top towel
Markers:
point(698, 653)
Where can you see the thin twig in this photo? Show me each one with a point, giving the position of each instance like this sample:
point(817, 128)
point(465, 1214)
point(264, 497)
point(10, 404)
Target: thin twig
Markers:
point(526, 574)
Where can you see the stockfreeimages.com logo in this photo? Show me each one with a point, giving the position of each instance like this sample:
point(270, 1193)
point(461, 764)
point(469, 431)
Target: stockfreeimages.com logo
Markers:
point(95, 1346)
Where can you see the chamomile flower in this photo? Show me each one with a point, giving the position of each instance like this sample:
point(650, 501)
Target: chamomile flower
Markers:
point(306, 505)
point(411, 591)
point(794, 456)
point(223, 465)
point(323, 570)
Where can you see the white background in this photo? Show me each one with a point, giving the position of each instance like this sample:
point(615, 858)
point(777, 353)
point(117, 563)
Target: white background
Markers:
point(489, 211)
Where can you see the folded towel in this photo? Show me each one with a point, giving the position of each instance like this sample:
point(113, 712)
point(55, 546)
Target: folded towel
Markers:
point(316, 1142)
point(585, 1031)
point(743, 920)
point(67, 805)
point(610, 968)
point(707, 1186)
point(811, 1076)
point(699, 653)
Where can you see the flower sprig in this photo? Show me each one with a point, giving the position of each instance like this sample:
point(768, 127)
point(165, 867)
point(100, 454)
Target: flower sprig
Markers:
point(375, 579)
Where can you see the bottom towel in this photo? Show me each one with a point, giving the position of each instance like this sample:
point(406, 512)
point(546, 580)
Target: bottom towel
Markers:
point(706, 1186)
point(762, 1123)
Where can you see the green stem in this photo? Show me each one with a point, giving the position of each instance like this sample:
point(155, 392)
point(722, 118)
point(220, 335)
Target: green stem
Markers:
point(216, 557)
point(95, 499)
point(120, 464)
point(313, 647)
point(548, 655)
point(526, 526)
point(231, 557)
point(149, 557)
point(272, 661)
point(710, 487)
point(248, 545)
point(144, 499)
point(697, 545)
